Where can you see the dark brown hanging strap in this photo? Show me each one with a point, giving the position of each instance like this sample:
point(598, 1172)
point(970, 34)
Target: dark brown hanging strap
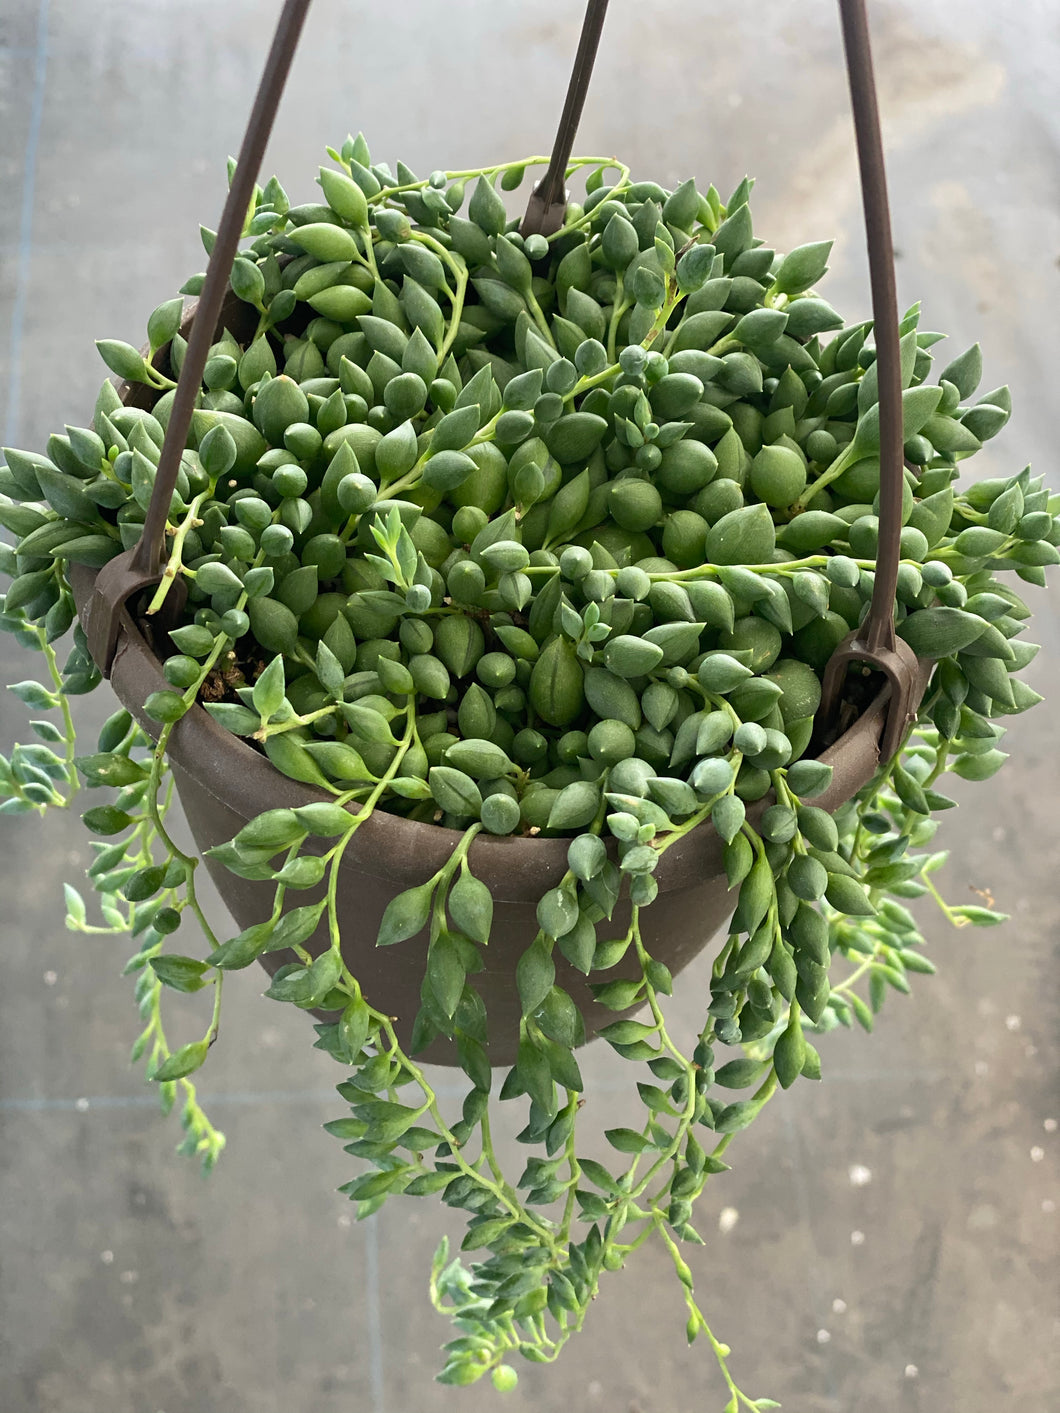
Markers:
point(875, 642)
point(142, 565)
point(548, 202)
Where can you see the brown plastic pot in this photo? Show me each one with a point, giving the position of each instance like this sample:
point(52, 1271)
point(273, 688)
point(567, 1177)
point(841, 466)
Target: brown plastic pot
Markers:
point(223, 782)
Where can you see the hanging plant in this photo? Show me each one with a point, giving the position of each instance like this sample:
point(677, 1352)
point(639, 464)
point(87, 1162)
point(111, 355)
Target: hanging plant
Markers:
point(511, 541)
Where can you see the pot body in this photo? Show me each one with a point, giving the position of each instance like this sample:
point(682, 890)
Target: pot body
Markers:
point(389, 854)
point(223, 783)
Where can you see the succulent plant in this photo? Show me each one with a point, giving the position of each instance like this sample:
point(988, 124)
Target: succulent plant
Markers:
point(546, 536)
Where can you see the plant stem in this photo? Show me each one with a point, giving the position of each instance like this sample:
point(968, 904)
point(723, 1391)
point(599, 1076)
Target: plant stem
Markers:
point(846, 458)
point(698, 1320)
point(174, 565)
point(69, 732)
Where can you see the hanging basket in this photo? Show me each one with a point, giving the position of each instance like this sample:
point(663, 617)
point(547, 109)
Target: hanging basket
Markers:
point(223, 782)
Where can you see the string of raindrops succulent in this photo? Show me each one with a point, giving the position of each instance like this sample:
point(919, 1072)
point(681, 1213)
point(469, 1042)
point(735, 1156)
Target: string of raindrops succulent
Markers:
point(543, 536)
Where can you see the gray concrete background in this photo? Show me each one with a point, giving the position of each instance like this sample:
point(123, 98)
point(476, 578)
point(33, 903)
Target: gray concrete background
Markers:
point(886, 1241)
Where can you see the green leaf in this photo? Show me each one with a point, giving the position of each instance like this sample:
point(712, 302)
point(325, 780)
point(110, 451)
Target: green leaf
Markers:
point(735, 1117)
point(106, 819)
point(406, 914)
point(559, 1019)
point(428, 1183)
point(675, 796)
point(180, 973)
point(693, 268)
point(143, 884)
point(618, 995)
point(290, 983)
point(470, 905)
point(269, 689)
point(47, 731)
point(110, 768)
point(239, 951)
point(75, 906)
point(345, 1128)
point(323, 975)
point(809, 778)
point(535, 974)
point(979, 917)
point(965, 372)
point(166, 707)
point(579, 944)
point(939, 632)
point(627, 1032)
point(486, 208)
point(248, 281)
point(735, 234)
point(368, 724)
point(461, 1372)
point(344, 196)
point(454, 792)
point(456, 428)
point(913, 961)
point(557, 912)
point(728, 816)
point(629, 656)
point(240, 720)
point(575, 805)
point(861, 1010)
point(740, 1074)
point(446, 470)
point(598, 1175)
point(324, 820)
point(182, 1062)
point(568, 506)
point(32, 694)
point(410, 787)
point(678, 641)
point(304, 872)
point(164, 321)
point(918, 404)
point(445, 973)
point(789, 1053)
point(483, 760)
point(123, 359)
point(562, 1065)
point(586, 856)
point(720, 672)
point(295, 927)
point(756, 894)
point(355, 1025)
point(627, 1140)
point(802, 267)
point(27, 586)
point(270, 832)
point(979, 767)
point(848, 896)
point(386, 1122)
point(534, 1074)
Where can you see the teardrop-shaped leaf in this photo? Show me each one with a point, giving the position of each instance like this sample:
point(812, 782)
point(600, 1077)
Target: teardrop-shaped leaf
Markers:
point(406, 914)
point(470, 905)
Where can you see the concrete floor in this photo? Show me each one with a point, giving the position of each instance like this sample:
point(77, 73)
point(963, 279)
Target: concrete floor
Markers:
point(887, 1241)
